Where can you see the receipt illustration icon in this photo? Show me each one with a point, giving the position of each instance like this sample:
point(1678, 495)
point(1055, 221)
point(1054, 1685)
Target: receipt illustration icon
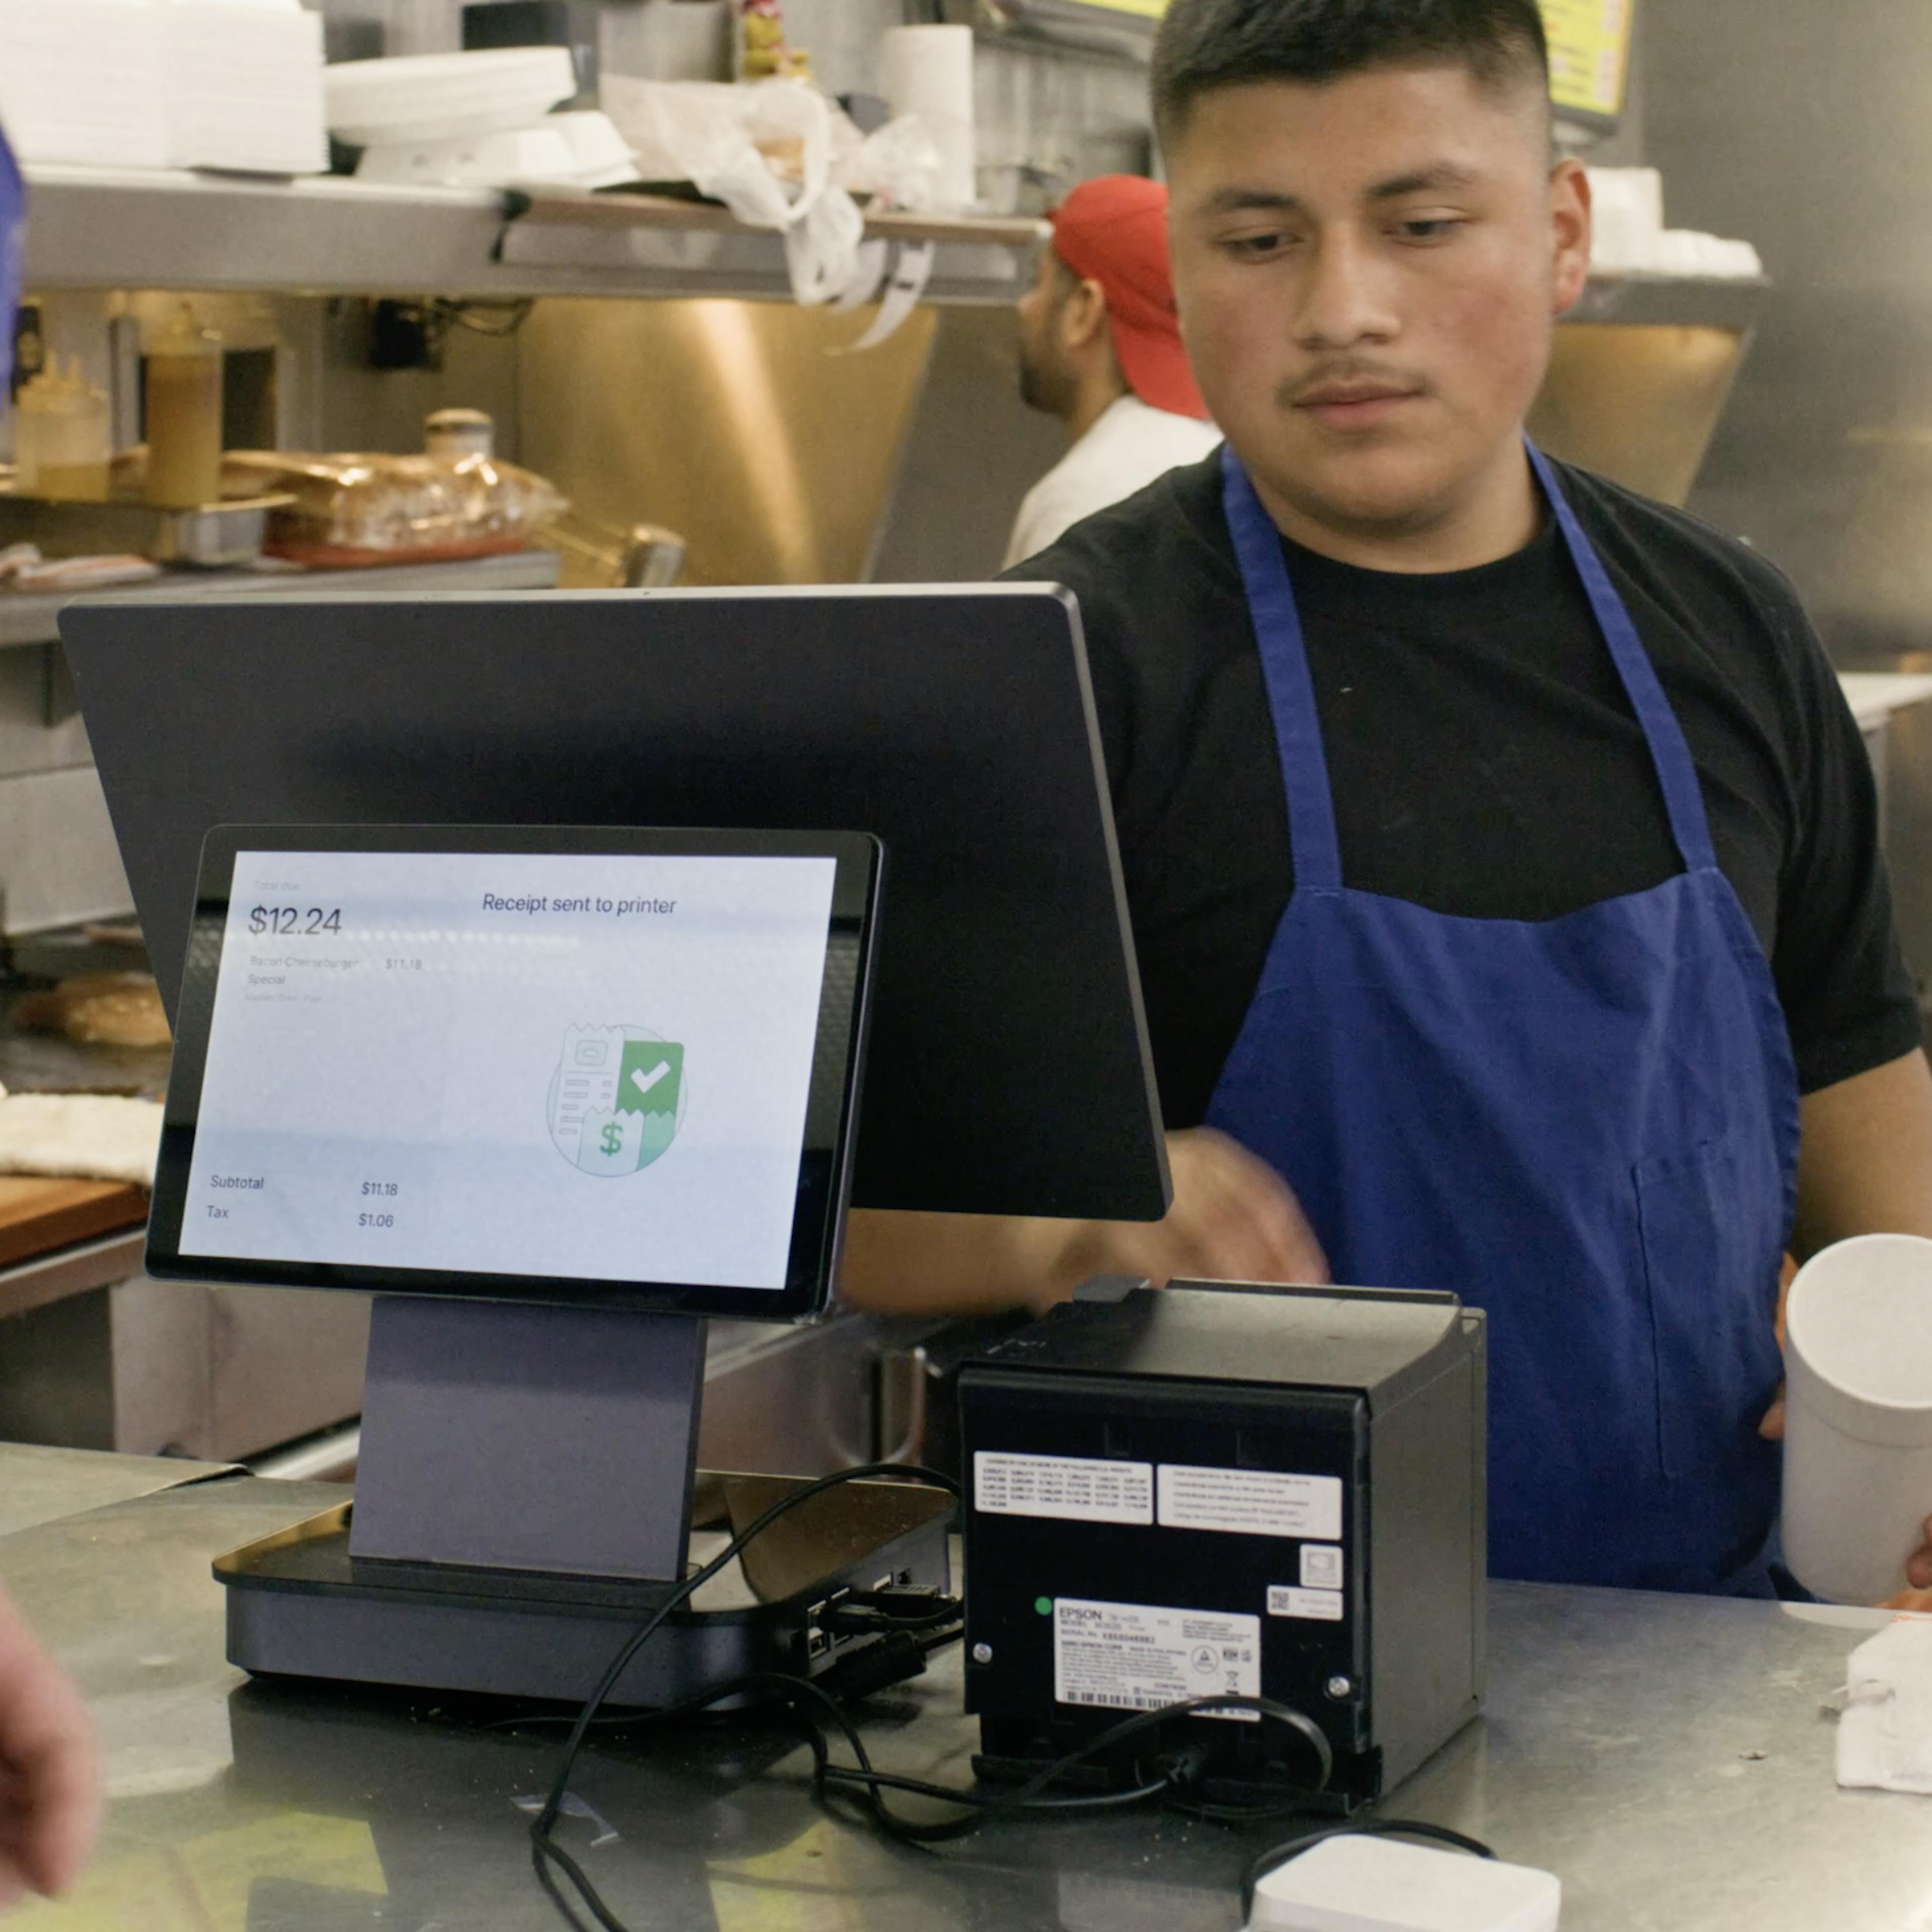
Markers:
point(617, 1099)
point(611, 1143)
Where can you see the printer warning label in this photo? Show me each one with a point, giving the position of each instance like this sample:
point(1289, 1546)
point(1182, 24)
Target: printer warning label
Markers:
point(1251, 1502)
point(1133, 1657)
point(1075, 1489)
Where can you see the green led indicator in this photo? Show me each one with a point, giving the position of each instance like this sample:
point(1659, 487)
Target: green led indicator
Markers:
point(1044, 1605)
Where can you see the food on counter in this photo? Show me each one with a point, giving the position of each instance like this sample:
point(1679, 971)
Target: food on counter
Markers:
point(99, 1010)
point(79, 1136)
point(353, 511)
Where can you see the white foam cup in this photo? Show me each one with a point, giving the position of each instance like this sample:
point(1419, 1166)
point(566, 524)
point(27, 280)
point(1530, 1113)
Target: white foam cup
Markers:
point(1857, 1430)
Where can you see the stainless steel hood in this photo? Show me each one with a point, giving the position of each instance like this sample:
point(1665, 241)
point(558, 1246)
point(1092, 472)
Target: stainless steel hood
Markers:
point(1808, 128)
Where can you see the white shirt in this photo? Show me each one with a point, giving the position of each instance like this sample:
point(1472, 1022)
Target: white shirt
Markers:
point(1129, 445)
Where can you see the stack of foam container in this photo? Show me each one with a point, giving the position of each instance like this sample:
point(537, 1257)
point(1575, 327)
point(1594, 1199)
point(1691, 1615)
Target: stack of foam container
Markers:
point(233, 84)
point(80, 81)
point(242, 79)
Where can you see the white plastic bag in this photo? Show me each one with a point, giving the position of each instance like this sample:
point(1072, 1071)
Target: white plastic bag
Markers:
point(897, 164)
point(779, 154)
point(765, 150)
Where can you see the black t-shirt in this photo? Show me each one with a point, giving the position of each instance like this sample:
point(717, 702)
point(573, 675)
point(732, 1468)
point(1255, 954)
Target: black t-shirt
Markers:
point(1484, 758)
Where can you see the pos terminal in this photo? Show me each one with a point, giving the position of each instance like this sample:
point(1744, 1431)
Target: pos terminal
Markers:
point(524, 1490)
point(552, 1093)
point(578, 1171)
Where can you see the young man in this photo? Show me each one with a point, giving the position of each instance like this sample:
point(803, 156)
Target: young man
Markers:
point(1503, 861)
point(1100, 348)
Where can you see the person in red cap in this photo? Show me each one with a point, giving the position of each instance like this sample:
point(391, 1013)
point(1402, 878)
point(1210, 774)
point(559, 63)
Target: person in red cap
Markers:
point(1100, 348)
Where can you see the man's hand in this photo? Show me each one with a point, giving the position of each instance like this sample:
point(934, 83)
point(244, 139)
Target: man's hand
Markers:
point(1233, 1219)
point(1917, 1572)
point(1865, 1168)
point(49, 1786)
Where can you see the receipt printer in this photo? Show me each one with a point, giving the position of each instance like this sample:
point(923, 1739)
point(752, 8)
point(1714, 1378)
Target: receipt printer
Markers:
point(1274, 1492)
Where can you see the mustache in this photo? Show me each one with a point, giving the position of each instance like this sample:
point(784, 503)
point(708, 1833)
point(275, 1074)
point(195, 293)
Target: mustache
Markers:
point(1347, 372)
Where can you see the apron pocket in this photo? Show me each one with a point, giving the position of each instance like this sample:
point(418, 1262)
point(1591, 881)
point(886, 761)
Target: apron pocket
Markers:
point(1712, 1296)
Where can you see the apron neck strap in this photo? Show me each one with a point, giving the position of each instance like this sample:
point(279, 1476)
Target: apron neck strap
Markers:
point(1676, 772)
point(1290, 687)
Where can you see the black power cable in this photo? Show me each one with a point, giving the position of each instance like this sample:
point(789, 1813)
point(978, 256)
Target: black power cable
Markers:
point(1030, 1794)
point(861, 1780)
point(545, 1851)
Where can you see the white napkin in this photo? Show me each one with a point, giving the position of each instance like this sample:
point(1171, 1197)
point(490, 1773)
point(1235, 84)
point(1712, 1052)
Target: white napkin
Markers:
point(1885, 1731)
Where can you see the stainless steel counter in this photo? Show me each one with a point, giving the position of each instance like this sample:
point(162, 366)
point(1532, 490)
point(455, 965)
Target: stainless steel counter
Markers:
point(1667, 1756)
point(38, 1485)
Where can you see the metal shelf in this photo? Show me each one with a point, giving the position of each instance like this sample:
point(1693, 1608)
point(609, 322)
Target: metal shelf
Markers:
point(330, 235)
point(1672, 301)
point(166, 228)
point(32, 617)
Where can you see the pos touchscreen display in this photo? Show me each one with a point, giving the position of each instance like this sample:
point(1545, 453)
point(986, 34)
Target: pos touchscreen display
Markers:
point(616, 1067)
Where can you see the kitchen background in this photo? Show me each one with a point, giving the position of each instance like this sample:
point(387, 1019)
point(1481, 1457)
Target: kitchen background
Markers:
point(662, 376)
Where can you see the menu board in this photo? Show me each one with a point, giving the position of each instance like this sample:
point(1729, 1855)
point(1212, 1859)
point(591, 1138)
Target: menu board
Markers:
point(1589, 55)
point(1589, 49)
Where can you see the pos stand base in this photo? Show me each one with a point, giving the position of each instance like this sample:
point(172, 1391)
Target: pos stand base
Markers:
point(526, 1500)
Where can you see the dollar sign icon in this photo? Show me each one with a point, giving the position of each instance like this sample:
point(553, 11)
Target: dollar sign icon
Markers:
point(613, 1138)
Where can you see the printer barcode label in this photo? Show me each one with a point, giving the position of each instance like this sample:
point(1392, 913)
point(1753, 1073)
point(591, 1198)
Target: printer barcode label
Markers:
point(1324, 1606)
point(1251, 1502)
point(1075, 1489)
point(1134, 1657)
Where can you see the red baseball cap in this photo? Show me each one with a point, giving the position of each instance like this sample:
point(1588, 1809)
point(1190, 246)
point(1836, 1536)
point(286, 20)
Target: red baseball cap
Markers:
point(1113, 230)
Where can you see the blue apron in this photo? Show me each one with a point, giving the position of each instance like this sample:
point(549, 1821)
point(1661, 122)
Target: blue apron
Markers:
point(1586, 1125)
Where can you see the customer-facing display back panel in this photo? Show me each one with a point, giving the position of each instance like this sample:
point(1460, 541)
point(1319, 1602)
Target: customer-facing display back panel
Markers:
point(1009, 1065)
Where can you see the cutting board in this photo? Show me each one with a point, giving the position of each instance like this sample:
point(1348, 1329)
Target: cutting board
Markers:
point(36, 1216)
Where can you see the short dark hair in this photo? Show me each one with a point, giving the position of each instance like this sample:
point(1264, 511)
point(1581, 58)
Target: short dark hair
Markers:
point(1204, 45)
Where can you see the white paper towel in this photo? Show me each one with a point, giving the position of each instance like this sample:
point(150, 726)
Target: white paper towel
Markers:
point(1885, 1730)
point(927, 72)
